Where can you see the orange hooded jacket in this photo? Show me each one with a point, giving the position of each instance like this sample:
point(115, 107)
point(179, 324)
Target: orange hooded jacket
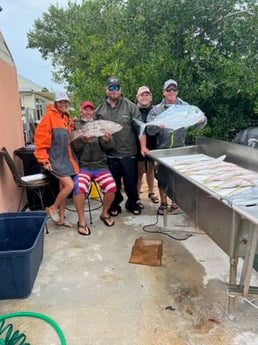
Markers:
point(52, 142)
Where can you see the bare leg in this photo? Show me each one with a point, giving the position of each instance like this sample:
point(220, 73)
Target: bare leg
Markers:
point(107, 201)
point(57, 210)
point(150, 177)
point(162, 195)
point(150, 182)
point(79, 203)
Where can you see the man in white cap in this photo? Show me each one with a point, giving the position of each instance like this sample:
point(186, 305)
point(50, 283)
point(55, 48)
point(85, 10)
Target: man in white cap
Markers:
point(168, 138)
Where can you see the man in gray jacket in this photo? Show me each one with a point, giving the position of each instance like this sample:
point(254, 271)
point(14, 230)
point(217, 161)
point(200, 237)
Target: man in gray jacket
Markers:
point(166, 137)
point(122, 159)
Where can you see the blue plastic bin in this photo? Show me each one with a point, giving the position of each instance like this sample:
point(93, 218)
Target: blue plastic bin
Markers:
point(21, 251)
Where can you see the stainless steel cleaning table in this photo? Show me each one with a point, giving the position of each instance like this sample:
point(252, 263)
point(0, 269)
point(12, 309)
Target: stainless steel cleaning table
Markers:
point(234, 227)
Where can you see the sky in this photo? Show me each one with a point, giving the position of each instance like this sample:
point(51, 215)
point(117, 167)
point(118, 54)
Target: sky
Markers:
point(16, 19)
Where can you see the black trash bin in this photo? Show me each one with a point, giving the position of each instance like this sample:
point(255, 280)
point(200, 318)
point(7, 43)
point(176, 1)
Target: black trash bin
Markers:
point(31, 166)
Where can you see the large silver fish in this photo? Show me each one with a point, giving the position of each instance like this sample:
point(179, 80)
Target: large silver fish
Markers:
point(176, 116)
point(96, 129)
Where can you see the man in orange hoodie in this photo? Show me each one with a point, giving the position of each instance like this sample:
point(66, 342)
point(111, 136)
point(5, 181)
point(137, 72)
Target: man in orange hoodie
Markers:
point(53, 150)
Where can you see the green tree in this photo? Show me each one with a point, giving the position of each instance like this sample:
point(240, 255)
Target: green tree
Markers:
point(210, 47)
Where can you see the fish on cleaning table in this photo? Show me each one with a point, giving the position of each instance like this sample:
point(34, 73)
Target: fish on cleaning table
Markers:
point(244, 197)
point(234, 183)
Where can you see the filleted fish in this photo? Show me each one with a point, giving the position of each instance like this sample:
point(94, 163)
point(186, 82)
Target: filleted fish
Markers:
point(248, 196)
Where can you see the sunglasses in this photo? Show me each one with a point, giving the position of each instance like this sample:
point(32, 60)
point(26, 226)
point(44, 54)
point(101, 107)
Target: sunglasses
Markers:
point(171, 89)
point(114, 87)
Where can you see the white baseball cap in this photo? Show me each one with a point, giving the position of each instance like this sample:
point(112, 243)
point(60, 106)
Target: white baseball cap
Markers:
point(61, 96)
point(143, 89)
point(169, 82)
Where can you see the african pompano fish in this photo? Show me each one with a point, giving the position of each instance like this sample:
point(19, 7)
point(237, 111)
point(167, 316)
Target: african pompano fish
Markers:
point(96, 129)
point(174, 117)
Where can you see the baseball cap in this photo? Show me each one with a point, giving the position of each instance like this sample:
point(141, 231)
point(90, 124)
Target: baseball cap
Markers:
point(113, 81)
point(87, 104)
point(143, 89)
point(169, 82)
point(61, 96)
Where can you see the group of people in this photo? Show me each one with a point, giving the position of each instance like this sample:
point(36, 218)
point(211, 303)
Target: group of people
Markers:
point(114, 161)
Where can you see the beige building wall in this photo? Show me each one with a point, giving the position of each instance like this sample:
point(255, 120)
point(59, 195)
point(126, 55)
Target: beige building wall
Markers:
point(34, 98)
point(11, 129)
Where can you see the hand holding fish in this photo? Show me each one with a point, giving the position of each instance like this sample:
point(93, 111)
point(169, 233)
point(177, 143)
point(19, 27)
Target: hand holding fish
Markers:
point(107, 136)
point(202, 120)
point(87, 138)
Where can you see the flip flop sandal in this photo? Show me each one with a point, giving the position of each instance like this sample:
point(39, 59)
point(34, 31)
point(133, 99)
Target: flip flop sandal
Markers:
point(105, 220)
point(153, 198)
point(84, 226)
point(66, 224)
point(53, 215)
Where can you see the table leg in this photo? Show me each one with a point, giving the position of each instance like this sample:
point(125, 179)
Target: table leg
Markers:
point(249, 259)
point(232, 280)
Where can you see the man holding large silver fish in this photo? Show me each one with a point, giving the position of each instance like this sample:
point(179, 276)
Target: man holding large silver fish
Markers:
point(169, 121)
point(91, 153)
point(122, 160)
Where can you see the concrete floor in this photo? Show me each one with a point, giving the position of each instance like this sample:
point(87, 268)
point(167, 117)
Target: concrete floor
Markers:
point(88, 287)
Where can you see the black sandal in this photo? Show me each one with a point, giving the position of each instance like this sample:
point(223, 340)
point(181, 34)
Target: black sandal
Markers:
point(163, 206)
point(140, 204)
point(84, 226)
point(136, 210)
point(175, 209)
point(153, 198)
point(106, 220)
point(114, 212)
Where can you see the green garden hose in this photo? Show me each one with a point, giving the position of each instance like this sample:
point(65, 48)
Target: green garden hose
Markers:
point(16, 338)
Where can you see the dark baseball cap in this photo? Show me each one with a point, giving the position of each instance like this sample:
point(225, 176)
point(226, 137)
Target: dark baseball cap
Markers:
point(113, 81)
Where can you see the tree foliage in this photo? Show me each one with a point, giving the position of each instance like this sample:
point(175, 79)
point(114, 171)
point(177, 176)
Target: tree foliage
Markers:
point(209, 46)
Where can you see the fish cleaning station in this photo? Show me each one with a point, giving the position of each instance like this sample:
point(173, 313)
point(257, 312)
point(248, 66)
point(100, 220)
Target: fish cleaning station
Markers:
point(213, 185)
